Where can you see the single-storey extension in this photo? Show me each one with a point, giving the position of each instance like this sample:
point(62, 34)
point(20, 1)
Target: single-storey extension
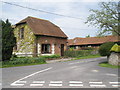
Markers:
point(95, 42)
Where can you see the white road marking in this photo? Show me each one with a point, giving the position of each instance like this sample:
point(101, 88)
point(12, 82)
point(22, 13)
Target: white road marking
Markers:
point(15, 83)
point(74, 67)
point(114, 82)
point(95, 82)
point(74, 63)
point(75, 82)
point(55, 85)
point(18, 83)
point(116, 85)
point(109, 74)
point(76, 85)
point(55, 81)
point(38, 81)
point(98, 85)
point(94, 70)
point(35, 85)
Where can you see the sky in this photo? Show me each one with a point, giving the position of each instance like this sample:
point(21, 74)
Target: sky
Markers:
point(72, 27)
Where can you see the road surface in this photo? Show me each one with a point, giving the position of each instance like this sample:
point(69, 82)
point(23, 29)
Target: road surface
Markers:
point(84, 73)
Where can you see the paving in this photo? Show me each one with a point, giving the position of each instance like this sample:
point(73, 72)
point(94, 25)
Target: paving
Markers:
point(84, 73)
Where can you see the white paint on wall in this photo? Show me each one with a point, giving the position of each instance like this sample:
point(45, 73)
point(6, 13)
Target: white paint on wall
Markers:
point(53, 49)
point(46, 54)
point(38, 49)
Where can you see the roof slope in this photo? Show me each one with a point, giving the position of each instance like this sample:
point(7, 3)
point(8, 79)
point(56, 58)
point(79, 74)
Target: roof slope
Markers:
point(43, 27)
point(93, 40)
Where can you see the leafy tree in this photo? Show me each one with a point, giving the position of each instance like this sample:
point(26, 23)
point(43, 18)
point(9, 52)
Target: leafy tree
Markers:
point(8, 40)
point(105, 48)
point(87, 36)
point(106, 18)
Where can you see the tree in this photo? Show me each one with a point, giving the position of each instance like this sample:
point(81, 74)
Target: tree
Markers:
point(8, 40)
point(106, 18)
point(87, 36)
point(105, 48)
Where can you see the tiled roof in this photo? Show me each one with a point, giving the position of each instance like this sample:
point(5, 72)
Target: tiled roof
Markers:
point(93, 40)
point(43, 27)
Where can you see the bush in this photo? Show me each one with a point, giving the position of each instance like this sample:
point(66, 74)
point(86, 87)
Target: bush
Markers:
point(115, 48)
point(51, 56)
point(27, 60)
point(78, 53)
point(104, 49)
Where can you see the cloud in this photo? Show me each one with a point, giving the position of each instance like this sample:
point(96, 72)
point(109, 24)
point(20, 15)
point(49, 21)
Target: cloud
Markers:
point(71, 26)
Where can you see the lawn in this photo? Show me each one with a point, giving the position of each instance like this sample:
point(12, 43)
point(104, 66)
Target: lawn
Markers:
point(106, 64)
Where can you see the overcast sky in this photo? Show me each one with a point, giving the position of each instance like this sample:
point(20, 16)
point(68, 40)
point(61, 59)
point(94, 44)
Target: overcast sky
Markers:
point(71, 26)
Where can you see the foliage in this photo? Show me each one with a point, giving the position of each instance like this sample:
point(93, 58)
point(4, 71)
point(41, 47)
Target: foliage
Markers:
point(51, 56)
point(106, 64)
point(8, 40)
point(87, 36)
point(24, 61)
point(106, 18)
point(78, 53)
point(104, 49)
point(71, 49)
point(115, 48)
point(89, 48)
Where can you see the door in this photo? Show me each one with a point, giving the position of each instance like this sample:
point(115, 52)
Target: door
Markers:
point(62, 49)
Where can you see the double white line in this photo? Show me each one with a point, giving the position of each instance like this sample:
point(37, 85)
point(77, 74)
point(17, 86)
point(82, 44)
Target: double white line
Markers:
point(75, 83)
point(37, 83)
point(97, 84)
point(55, 83)
point(115, 84)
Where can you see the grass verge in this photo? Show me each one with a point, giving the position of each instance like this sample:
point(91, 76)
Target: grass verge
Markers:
point(85, 57)
point(106, 64)
point(18, 65)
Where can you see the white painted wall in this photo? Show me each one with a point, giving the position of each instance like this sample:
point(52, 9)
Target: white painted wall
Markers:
point(53, 49)
point(38, 49)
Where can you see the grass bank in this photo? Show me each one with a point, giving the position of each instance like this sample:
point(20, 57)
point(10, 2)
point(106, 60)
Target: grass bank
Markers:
point(106, 64)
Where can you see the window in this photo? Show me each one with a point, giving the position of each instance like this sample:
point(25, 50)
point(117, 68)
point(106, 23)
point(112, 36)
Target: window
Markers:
point(45, 48)
point(21, 33)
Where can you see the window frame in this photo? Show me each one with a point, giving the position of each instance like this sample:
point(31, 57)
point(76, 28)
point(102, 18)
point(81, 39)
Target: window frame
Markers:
point(21, 33)
point(46, 49)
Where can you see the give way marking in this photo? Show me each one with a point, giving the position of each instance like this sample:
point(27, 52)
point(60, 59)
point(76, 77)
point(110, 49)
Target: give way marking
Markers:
point(22, 83)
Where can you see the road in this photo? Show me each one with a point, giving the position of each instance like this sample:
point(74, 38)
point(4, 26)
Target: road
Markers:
point(84, 73)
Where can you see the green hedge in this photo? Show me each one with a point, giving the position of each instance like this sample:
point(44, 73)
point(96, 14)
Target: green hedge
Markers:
point(104, 49)
point(51, 56)
point(78, 53)
point(23, 60)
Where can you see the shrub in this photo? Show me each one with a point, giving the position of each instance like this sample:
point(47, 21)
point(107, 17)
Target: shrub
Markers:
point(77, 53)
point(115, 48)
point(25, 60)
point(88, 48)
point(51, 56)
point(104, 49)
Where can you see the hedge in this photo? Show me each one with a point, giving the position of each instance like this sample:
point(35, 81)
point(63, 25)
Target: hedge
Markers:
point(78, 53)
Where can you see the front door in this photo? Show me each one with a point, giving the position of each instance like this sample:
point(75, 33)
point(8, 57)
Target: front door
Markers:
point(62, 49)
